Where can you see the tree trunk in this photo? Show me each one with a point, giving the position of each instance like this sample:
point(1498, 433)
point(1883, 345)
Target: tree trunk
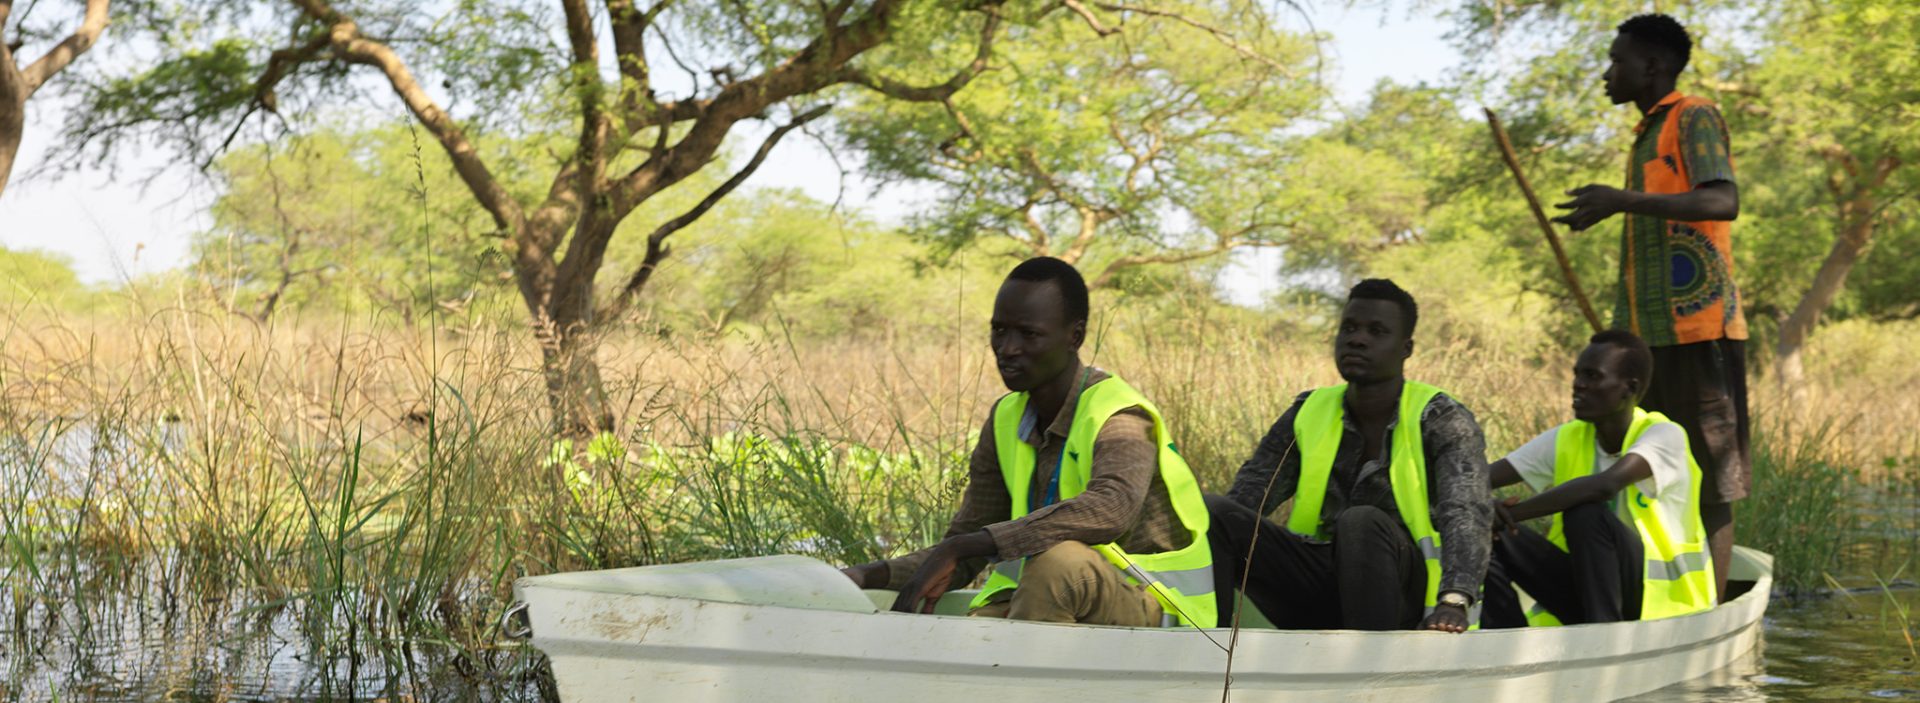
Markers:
point(13, 114)
point(1855, 234)
point(17, 84)
point(575, 394)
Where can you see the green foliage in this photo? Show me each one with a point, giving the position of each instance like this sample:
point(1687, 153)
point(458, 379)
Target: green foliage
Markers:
point(43, 280)
point(748, 495)
point(1158, 143)
point(778, 260)
point(1827, 102)
point(200, 88)
point(1815, 95)
point(345, 221)
point(1798, 511)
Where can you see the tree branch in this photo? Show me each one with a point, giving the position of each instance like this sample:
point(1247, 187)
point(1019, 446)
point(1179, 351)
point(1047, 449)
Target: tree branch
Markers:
point(1040, 240)
point(1224, 36)
point(938, 92)
point(630, 52)
point(1174, 257)
point(815, 66)
point(657, 249)
point(1090, 221)
point(1093, 21)
point(62, 54)
point(352, 46)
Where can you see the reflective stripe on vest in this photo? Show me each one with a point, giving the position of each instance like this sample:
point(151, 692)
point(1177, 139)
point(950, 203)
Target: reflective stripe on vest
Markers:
point(1317, 429)
point(1678, 578)
point(1181, 580)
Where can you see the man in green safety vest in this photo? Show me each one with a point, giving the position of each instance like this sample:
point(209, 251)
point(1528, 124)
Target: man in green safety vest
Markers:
point(1627, 542)
point(1390, 519)
point(1074, 491)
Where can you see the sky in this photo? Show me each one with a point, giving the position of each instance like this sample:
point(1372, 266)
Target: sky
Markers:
point(113, 223)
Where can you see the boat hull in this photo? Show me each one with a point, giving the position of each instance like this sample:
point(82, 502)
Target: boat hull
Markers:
point(708, 633)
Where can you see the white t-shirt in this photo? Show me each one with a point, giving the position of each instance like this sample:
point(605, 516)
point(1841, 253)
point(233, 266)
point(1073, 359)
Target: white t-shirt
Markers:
point(1663, 446)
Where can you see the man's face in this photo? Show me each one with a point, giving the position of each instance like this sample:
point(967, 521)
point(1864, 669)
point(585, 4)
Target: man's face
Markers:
point(1373, 344)
point(1600, 388)
point(1033, 341)
point(1630, 71)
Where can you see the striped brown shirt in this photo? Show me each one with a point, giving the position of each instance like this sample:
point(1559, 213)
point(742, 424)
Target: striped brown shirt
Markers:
point(1125, 501)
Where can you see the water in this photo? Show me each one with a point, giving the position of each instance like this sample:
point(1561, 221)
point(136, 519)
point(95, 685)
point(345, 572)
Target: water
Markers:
point(1850, 643)
point(1844, 647)
point(140, 649)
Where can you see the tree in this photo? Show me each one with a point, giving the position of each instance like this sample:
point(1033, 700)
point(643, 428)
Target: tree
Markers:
point(1177, 139)
point(18, 83)
point(37, 278)
point(777, 259)
point(1822, 111)
point(338, 219)
point(637, 130)
point(1834, 96)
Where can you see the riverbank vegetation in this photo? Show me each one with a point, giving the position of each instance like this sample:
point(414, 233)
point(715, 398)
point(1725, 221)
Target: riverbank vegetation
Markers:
point(389, 379)
point(374, 482)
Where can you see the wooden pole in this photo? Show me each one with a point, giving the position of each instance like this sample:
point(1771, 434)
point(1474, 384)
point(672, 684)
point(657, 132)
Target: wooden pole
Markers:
point(1546, 226)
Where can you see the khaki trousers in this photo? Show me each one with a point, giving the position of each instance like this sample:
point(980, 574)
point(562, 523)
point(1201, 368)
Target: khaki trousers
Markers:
point(1073, 583)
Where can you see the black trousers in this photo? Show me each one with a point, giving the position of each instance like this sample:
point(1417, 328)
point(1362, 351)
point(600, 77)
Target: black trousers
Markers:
point(1598, 578)
point(1371, 577)
point(1703, 386)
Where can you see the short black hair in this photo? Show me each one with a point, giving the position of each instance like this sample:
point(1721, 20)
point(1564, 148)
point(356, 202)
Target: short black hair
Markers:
point(1386, 289)
point(1636, 359)
point(1661, 33)
point(1065, 278)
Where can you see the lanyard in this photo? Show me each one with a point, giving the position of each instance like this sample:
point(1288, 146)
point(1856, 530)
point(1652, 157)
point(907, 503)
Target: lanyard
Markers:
point(1053, 484)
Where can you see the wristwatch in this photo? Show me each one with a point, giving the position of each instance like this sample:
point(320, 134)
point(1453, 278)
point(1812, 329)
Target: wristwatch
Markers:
point(1455, 599)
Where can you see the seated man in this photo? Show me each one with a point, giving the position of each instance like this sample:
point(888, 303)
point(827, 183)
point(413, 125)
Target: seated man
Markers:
point(1389, 528)
point(1074, 487)
point(1627, 542)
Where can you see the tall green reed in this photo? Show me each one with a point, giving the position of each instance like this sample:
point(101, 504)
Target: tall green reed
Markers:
point(1800, 508)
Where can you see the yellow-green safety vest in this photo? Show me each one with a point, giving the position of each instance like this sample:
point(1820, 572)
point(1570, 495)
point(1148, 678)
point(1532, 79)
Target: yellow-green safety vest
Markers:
point(1678, 578)
point(1316, 430)
point(1182, 580)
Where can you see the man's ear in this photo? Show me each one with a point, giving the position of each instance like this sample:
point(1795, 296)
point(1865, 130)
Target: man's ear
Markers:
point(1079, 333)
point(1409, 351)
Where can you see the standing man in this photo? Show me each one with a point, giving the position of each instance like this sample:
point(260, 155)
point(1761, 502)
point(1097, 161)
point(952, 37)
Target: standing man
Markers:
point(1388, 477)
point(1676, 262)
point(1626, 541)
point(1074, 489)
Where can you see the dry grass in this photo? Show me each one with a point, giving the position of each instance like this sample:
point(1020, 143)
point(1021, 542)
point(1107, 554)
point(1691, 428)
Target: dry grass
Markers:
point(369, 475)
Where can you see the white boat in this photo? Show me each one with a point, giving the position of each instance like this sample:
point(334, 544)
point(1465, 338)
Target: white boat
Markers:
point(790, 628)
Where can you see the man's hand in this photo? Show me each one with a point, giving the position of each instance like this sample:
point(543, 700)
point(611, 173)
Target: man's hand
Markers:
point(873, 574)
point(1446, 618)
point(1503, 522)
point(1590, 204)
point(935, 575)
point(932, 580)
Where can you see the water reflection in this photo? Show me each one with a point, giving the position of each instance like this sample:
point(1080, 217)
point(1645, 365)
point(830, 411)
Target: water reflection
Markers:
point(1845, 647)
point(123, 649)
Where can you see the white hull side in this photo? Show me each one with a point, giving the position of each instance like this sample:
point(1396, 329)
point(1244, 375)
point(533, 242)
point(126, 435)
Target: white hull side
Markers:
point(608, 645)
